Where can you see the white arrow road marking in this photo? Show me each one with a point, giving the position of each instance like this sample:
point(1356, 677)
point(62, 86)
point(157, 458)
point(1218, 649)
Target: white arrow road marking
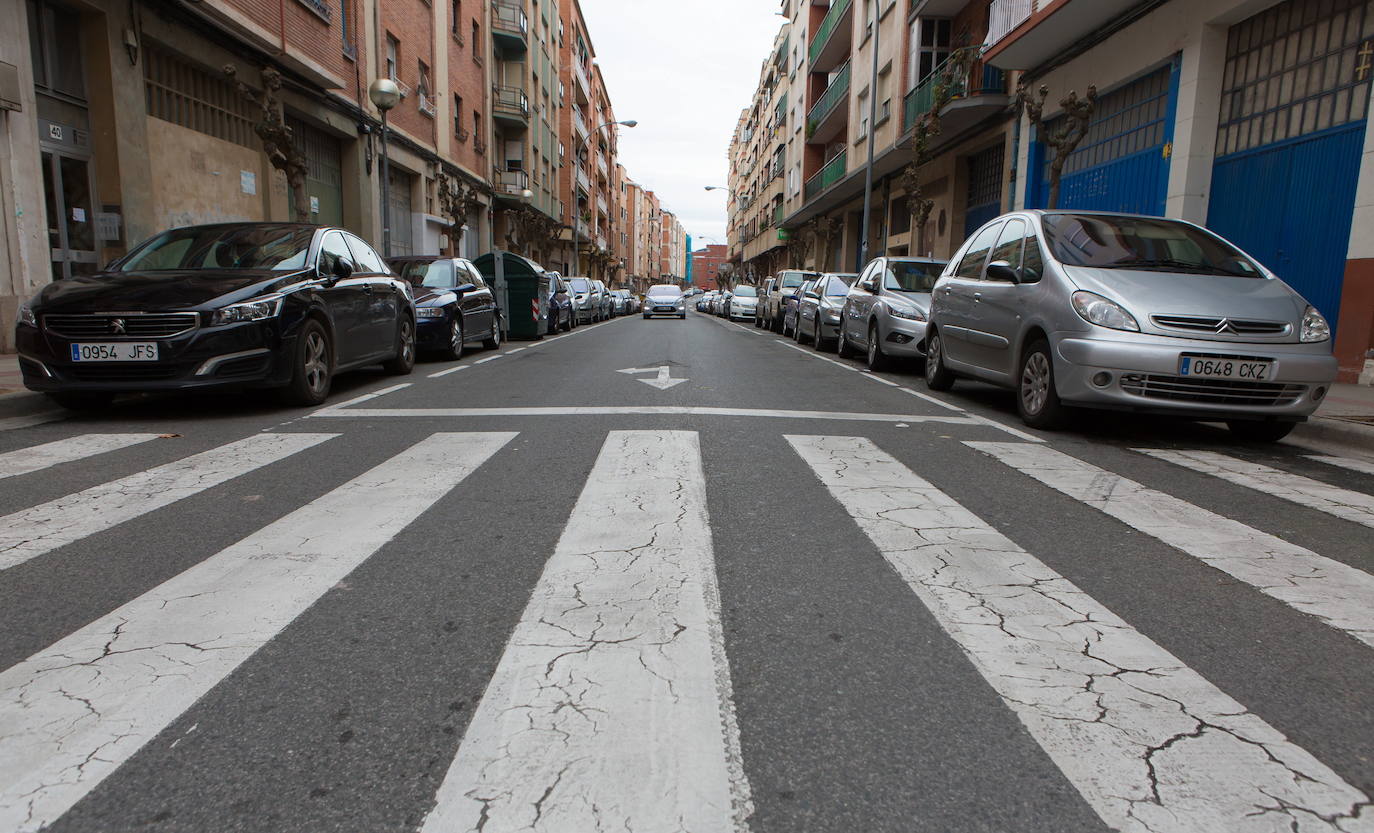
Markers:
point(74, 712)
point(611, 707)
point(38, 457)
point(663, 381)
point(1150, 744)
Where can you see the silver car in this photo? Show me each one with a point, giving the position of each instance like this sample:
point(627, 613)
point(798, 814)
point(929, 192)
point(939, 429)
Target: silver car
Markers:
point(1128, 312)
point(886, 311)
point(604, 307)
point(586, 301)
point(665, 299)
point(743, 303)
point(818, 312)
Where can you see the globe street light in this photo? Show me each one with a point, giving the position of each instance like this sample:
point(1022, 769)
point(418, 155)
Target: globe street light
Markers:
point(385, 94)
point(577, 243)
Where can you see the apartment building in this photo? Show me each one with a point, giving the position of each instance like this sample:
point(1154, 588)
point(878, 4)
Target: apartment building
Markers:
point(706, 263)
point(672, 248)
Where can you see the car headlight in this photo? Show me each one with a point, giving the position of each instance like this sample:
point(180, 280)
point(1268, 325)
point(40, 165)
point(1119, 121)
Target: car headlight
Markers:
point(1314, 326)
point(258, 310)
point(430, 312)
point(908, 314)
point(26, 316)
point(1095, 309)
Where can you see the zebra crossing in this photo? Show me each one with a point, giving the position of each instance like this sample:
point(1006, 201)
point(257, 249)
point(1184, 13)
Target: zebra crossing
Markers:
point(613, 703)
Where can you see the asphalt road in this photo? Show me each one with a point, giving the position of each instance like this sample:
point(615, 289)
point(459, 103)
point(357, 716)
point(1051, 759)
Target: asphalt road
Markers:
point(528, 591)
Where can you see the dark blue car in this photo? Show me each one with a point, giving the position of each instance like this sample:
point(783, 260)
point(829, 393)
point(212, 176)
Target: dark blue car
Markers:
point(559, 305)
point(454, 306)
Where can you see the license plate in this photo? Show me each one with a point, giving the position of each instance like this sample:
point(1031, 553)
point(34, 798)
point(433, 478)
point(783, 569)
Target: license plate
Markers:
point(664, 309)
point(119, 351)
point(1252, 371)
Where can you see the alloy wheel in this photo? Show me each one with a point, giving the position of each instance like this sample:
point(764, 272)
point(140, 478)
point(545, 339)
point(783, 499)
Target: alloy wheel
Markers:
point(316, 362)
point(1035, 382)
point(407, 341)
point(455, 337)
point(932, 356)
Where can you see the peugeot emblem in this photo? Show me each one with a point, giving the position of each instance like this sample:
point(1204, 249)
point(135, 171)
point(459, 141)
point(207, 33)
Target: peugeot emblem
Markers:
point(117, 326)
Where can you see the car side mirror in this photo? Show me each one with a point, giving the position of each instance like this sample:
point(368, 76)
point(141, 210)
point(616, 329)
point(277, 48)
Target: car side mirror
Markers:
point(814, 295)
point(463, 288)
point(1000, 270)
point(340, 271)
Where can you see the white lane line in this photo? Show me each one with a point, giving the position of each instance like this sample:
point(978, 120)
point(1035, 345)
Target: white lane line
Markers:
point(38, 457)
point(489, 359)
point(367, 397)
point(611, 708)
point(450, 370)
point(818, 358)
point(1150, 744)
point(1304, 491)
point(32, 532)
point(516, 350)
point(1338, 594)
point(73, 713)
point(933, 400)
point(613, 410)
point(1362, 466)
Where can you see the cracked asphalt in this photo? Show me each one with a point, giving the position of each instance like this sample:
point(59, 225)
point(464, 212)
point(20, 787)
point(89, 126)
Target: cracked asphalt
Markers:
point(679, 621)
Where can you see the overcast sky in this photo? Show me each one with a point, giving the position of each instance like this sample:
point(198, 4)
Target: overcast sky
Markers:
point(684, 69)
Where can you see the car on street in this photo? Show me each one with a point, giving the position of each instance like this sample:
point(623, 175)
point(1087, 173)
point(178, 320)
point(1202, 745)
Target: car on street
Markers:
point(665, 299)
point(722, 303)
point(242, 305)
point(760, 307)
point(704, 301)
point(453, 304)
point(818, 310)
point(620, 302)
point(586, 301)
point(603, 300)
point(791, 303)
point(743, 302)
point(885, 314)
point(774, 304)
point(559, 305)
point(1121, 311)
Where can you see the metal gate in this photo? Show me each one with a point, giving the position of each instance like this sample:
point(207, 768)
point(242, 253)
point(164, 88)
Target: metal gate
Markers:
point(402, 233)
point(984, 188)
point(1122, 163)
point(1293, 110)
point(324, 177)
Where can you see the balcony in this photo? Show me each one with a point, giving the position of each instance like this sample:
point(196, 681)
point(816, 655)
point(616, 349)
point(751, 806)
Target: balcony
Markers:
point(831, 111)
point(510, 106)
point(580, 124)
point(583, 181)
point(831, 41)
point(511, 185)
point(510, 28)
point(831, 173)
point(975, 95)
point(426, 105)
point(583, 83)
point(1023, 34)
point(777, 216)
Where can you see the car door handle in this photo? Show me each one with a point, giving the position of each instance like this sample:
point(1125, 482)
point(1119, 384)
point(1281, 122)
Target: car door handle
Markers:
point(367, 289)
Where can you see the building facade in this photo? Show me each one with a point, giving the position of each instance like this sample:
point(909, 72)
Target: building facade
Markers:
point(706, 263)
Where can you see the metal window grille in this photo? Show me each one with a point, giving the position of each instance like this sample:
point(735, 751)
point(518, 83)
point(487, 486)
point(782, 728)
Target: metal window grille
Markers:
point(321, 151)
point(1128, 120)
point(184, 94)
point(985, 176)
point(1298, 68)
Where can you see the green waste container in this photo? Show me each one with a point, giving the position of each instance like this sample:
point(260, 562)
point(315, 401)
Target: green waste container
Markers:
point(522, 289)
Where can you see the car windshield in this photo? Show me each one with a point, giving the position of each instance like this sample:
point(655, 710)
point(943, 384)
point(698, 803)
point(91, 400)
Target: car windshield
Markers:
point(665, 290)
point(839, 285)
point(911, 276)
point(580, 284)
point(745, 292)
point(280, 248)
point(1142, 243)
point(792, 280)
point(435, 273)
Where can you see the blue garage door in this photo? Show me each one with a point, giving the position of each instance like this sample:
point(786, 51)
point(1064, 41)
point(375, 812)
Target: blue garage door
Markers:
point(1293, 111)
point(1123, 162)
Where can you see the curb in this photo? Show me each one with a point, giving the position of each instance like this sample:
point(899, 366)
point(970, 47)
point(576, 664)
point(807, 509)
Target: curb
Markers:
point(1337, 431)
point(24, 403)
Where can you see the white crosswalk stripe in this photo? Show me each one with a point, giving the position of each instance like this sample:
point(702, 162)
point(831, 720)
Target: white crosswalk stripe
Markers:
point(611, 706)
point(1343, 503)
point(1151, 745)
point(47, 455)
point(1361, 466)
point(32, 532)
point(1336, 593)
point(71, 714)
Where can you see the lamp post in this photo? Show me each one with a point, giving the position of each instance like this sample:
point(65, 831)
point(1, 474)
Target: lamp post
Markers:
point(577, 242)
point(385, 94)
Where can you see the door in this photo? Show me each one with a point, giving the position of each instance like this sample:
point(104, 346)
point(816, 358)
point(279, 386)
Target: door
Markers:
point(346, 299)
point(1290, 139)
point(324, 172)
point(997, 307)
point(399, 207)
point(381, 316)
point(479, 305)
point(67, 190)
point(984, 201)
point(958, 296)
point(859, 304)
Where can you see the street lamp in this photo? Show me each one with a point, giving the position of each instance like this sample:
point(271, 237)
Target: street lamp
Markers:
point(385, 94)
point(719, 188)
point(577, 255)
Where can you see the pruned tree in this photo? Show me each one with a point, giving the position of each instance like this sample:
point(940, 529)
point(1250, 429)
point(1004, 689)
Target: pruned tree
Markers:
point(459, 200)
point(952, 83)
point(277, 139)
point(798, 248)
point(823, 232)
point(1064, 140)
point(723, 274)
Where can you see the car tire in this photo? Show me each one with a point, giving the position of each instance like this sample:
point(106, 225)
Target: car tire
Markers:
point(454, 351)
point(82, 400)
point(938, 377)
point(817, 340)
point(312, 367)
point(842, 346)
point(404, 361)
point(1037, 400)
point(493, 341)
point(1256, 431)
point(776, 326)
point(877, 360)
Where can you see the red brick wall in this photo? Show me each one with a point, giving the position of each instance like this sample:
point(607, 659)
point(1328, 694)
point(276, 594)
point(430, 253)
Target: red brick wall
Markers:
point(1355, 330)
point(310, 36)
point(467, 78)
point(412, 23)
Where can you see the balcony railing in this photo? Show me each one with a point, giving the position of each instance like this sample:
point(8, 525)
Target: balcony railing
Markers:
point(777, 215)
point(426, 105)
point(826, 29)
point(1006, 15)
point(832, 173)
point(583, 180)
point(837, 92)
point(509, 26)
point(512, 182)
point(981, 79)
point(580, 123)
point(511, 102)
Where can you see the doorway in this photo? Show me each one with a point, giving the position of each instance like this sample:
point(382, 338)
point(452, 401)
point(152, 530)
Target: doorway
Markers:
point(67, 188)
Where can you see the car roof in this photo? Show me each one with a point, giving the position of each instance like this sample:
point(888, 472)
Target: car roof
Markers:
point(936, 260)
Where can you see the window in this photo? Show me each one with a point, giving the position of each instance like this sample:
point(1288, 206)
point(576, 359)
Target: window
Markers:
point(424, 79)
point(334, 251)
point(1032, 262)
point(929, 48)
point(863, 116)
point(182, 93)
point(458, 115)
point(365, 257)
point(971, 266)
point(457, 16)
point(344, 33)
point(476, 42)
point(393, 53)
point(1008, 246)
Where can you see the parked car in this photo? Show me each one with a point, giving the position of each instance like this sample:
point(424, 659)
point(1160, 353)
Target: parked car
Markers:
point(885, 313)
point(1076, 308)
point(722, 303)
point(791, 302)
point(559, 305)
point(743, 303)
point(761, 306)
point(665, 299)
point(774, 304)
point(620, 302)
point(603, 300)
point(268, 305)
point(586, 303)
point(704, 302)
point(453, 304)
point(818, 310)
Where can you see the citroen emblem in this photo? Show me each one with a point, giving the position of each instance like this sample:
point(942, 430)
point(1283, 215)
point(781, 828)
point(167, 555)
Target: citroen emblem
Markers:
point(117, 326)
point(1227, 327)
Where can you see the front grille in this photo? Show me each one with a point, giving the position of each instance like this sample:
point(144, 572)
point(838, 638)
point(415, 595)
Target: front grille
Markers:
point(121, 372)
point(1211, 391)
point(1220, 326)
point(134, 325)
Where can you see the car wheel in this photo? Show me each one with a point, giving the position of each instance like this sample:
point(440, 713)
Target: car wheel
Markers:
point(453, 351)
point(877, 359)
point(404, 360)
point(493, 341)
point(82, 400)
point(777, 325)
point(938, 377)
point(312, 367)
point(1036, 397)
point(1254, 431)
point(817, 340)
point(842, 346)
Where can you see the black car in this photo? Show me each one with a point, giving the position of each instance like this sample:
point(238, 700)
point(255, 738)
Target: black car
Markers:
point(453, 304)
point(560, 305)
point(267, 305)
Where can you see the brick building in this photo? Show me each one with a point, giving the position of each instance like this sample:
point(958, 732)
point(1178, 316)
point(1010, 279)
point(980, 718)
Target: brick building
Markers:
point(706, 264)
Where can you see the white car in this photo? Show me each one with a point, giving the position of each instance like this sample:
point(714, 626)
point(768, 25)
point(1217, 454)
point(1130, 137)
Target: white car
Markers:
point(743, 303)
